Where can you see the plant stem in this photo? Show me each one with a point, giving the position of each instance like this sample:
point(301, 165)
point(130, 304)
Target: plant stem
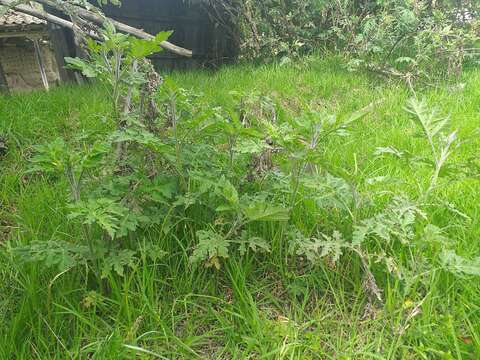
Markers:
point(178, 149)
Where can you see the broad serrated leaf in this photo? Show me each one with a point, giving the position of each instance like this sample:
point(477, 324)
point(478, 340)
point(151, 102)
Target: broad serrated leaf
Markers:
point(117, 261)
point(153, 252)
point(110, 215)
point(429, 120)
point(57, 254)
point(141, 48)
point(211, 245)
point(84, 67)
point(229, 192)
point(261, 211)
point(396, 222)
point(316, 249)
point(50, 158)
point(459, 265)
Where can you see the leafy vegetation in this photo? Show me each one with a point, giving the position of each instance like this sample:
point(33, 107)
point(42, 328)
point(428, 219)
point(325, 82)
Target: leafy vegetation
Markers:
point(246, 220)
point(283, 211)
point(414, 40)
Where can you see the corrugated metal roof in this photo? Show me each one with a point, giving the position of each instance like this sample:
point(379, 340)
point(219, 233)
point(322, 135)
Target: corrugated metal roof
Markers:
point(14, 18)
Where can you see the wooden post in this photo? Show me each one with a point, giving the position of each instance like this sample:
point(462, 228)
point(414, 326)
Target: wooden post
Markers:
point(41, 65)
point(3, 81)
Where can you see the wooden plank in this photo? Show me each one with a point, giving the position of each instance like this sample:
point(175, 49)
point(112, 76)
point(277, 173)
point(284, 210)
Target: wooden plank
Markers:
point(22, 34)
point(41, 65)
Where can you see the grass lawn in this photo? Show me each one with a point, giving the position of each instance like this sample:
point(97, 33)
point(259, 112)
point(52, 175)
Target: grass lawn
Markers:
point(254, 307)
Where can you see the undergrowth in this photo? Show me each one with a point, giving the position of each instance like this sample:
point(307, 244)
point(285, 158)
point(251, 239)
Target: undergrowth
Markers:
point(259, 212)
point(417, 41)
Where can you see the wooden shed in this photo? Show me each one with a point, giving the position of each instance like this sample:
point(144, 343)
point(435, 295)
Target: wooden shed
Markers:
point(26, 57)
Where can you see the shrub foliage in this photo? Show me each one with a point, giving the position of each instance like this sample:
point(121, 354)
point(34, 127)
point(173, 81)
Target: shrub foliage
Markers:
point(236, 180)
point(394, 37)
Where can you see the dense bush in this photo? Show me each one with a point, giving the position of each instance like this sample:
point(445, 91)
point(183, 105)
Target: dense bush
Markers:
point(273, 28)
point(416, 39)
point(151, 220)
point(235, 181)
point(395, 37)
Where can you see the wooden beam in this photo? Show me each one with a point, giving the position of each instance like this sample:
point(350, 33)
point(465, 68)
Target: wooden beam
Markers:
point(100, 20)
point(22, 34)
point(41, 65)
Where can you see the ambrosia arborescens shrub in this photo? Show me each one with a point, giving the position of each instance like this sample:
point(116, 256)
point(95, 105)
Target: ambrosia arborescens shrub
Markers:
point(395, 37)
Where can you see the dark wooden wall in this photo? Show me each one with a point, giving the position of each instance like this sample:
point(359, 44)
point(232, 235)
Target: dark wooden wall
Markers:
point(190, 22)
point(192, 29)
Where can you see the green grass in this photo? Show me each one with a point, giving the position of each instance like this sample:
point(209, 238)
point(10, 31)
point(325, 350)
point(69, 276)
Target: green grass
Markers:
point(254, 308)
